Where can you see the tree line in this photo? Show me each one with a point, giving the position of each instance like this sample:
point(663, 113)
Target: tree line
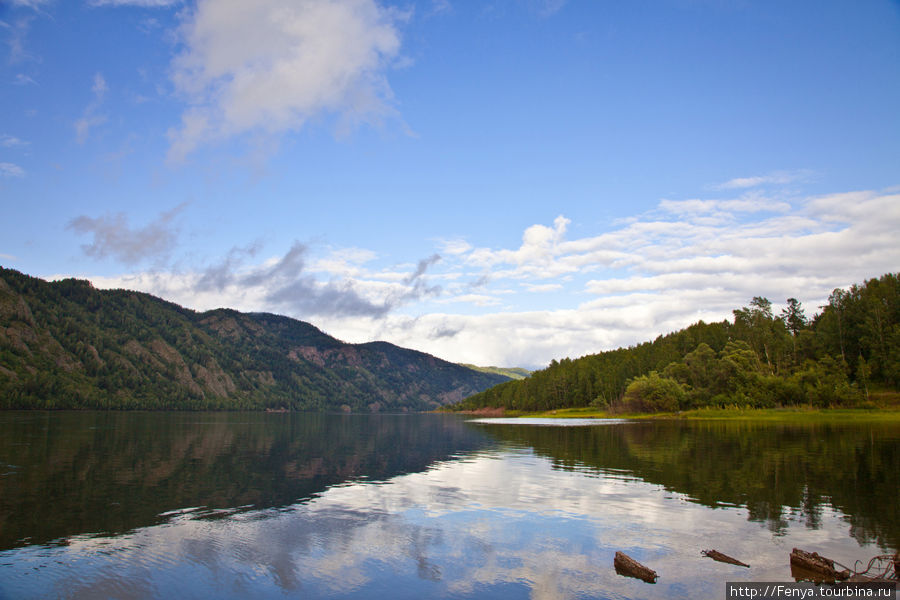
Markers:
point(847, 354)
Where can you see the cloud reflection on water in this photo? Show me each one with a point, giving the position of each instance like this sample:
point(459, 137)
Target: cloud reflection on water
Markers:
point(501, 523)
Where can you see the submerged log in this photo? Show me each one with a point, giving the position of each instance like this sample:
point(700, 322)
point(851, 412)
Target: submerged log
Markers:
point(819, 565)
point(718, 556)
point(625, 565)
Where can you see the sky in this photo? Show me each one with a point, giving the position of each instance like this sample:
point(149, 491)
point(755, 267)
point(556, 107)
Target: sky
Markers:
point(501, 182)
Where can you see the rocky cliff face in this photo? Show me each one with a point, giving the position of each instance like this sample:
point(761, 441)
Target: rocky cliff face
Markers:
point(67, 345)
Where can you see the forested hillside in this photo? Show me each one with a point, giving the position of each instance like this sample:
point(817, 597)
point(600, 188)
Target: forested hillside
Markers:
point(67, 345)
point(847, 354)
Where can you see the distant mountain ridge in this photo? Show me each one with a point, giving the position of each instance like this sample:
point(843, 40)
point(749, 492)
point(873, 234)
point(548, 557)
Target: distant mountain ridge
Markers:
point(511, 372)
point(65, 344)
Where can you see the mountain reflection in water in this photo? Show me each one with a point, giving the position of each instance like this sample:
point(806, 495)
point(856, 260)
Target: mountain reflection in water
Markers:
point(480, 512)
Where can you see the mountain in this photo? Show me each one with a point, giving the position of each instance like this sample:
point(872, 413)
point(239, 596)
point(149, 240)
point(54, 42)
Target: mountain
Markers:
point(846, 355)
point(65, 344)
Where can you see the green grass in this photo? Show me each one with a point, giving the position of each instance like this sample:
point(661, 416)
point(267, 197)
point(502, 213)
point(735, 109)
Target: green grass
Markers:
point(788, 415)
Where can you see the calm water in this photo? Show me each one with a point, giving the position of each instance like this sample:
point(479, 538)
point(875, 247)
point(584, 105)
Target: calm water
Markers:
point(158, 505)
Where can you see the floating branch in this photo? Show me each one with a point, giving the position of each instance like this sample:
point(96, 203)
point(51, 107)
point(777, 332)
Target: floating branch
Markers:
point(819, 565)
point(718, 556)
point(625, 565)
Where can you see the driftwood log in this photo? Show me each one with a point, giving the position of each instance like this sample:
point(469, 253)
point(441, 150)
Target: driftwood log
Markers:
point(625, 565)
point(718, 556)
point(819, 565)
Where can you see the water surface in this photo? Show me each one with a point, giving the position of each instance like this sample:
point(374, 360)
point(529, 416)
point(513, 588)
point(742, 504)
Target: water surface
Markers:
point(152, 505)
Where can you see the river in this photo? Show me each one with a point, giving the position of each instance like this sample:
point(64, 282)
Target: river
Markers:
point(239, 505)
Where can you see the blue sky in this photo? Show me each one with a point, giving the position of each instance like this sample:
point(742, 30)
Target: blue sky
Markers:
point(499, 182)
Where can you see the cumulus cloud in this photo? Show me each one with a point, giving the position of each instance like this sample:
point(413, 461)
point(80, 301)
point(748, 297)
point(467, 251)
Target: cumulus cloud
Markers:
point(541, 245)
point(114, 237)
point(267, 67)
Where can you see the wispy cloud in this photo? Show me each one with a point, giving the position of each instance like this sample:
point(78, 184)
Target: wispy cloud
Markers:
point(548, 8)
point(267, 67)
point(16, 31)
point(776, 178)
point(295, 283)
point(455, 246)
point(91, 117)
point(9, 141)
point(141, 3)
point(422, 267)
point(11, 170)
point(114, 237)
point(22, 79)
point(30, 3)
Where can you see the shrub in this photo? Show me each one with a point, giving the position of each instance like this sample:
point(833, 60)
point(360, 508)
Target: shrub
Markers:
point(653, 393)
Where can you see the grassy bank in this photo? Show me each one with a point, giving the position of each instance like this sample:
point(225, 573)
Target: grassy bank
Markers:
point(788, 415)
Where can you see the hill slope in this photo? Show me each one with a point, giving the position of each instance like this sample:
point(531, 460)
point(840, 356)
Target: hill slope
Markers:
point(511, 372)
point(67, 345)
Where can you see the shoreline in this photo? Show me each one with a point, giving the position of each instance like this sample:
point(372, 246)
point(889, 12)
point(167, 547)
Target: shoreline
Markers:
point(788, 414)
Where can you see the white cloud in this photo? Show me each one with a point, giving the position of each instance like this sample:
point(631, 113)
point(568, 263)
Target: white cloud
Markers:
point(455, 246)
point(541, 245)
point(542, 287)
point(777, 178)
point(476, 299)
point(271, 65)
point(657, 273)
point(724, 208)
point(90, 118)
point(30, 3)
point(142, 3)
point(548, 8)
point(9, 141)
point(22, 79)
point(661, 275)
point(11, 170)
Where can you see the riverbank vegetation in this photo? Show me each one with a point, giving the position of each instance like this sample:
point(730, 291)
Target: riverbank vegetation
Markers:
point(847, 355)
point(789, 414)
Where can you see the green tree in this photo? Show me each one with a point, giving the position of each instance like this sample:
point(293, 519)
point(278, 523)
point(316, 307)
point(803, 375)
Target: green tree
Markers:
point(654, 393)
